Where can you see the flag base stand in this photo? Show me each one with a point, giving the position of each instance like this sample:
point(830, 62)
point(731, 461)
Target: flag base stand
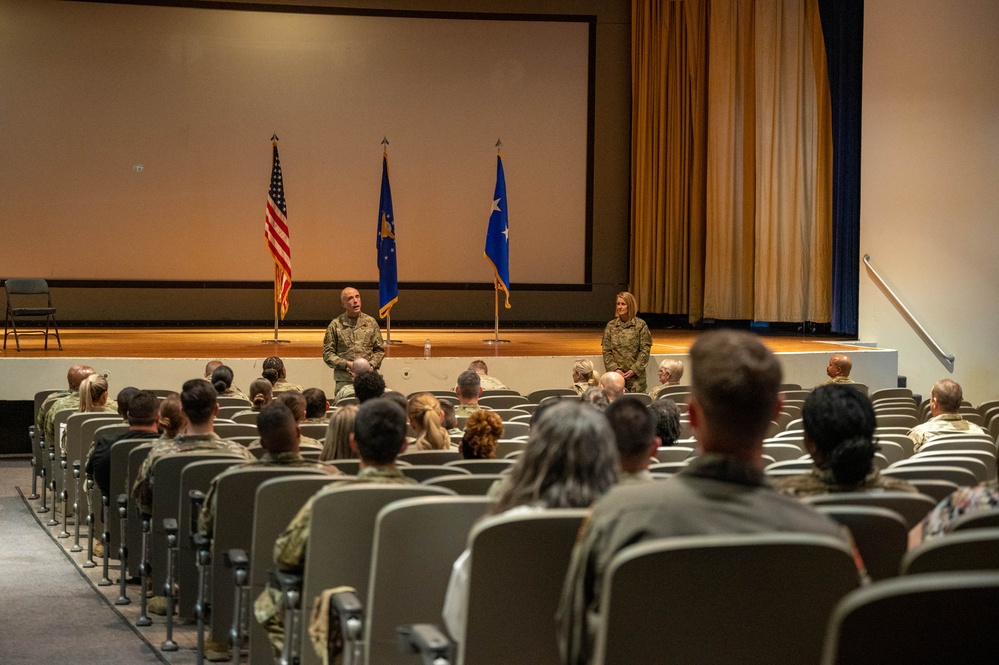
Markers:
point(275, 341)
point(391, 341)
point(496, 341)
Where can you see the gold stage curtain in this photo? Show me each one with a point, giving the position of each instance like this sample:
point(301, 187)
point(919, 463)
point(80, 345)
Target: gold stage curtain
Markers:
point(732, 162)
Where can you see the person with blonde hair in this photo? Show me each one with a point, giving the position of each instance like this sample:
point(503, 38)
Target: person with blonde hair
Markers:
point(94, 394)
point(427, 419)
point(583, 375)
point(338, 433)
point(483, 430)
point(670, 373)
point(627, 343)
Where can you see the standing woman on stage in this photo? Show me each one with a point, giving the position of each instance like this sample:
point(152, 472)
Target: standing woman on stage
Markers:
point(627, 343)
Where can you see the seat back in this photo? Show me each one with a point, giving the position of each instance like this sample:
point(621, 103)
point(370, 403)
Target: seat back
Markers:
point(673, 453)
point(195, 476)
point(538, 395)
point(985, 519)
point(933, 471)
point(957, 443)
point(277, 501)
point(232, 400)
point(783, 452)
point(166, 473)
point(899, 621)
point(225, 430)
point(416, 543)
point(234, 492)
point(880, 534)
point(938, 490)
point(987, 458)
point(482, 465)
point(505, 447)
point(794, 580)
point(912, 507)
point(973, 549)
point(422, 472)
point(121, 463)
point(26, 286)
point(341, 539)
point(503, 401)
point(518, 565)
point(476, 484)
point(513, 429)
point(315, 430)
point(80, 428)
point(430, 456)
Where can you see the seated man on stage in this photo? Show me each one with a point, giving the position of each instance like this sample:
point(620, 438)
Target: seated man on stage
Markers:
point(352, 335)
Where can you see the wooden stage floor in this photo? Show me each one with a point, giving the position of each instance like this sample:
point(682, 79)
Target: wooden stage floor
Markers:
point(308, 343)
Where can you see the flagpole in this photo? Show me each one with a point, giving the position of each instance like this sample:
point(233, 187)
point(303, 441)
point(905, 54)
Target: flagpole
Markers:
point(277, 276)
point(496, 339)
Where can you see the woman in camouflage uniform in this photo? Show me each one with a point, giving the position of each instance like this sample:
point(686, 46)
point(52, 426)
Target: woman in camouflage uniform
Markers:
point(627, 343)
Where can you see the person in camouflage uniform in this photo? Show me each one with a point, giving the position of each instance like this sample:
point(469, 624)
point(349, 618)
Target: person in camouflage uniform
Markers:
point(945, 407)
point(359, 366)
point(838, 370)
point(670, 373)
point(468, 389)
point(583, 376)
point(351, 335)
point(316, 405)
point(487, 382)
point(627, 343)
point(275, 372)
point(379, 435)
point(200, 405)
point(67, 401)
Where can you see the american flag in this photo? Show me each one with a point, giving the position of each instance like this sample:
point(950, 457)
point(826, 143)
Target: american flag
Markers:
point(277, 236)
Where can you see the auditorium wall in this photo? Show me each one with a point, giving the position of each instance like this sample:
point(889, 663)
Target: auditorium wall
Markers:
point(930, 200)
point(583, 285)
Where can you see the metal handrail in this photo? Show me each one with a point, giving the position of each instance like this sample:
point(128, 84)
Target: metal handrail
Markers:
point(945, 358)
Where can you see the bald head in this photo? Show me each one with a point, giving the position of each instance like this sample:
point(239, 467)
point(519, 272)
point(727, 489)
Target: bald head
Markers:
point(839, 365)
point(612, 385)
point(76, 375)
point(360, 366)
point(210, 368)
point(351, 301)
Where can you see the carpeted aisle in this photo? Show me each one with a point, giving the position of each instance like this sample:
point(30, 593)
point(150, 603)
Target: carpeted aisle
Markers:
point(50, 614)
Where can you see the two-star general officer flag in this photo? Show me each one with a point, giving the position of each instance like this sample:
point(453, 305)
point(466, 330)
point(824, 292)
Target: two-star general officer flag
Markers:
point(498, 236)
point(388, 276)
point(277, 236)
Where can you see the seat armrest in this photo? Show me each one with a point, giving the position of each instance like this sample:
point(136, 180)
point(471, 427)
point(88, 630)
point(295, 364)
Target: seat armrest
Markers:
point(427, 640)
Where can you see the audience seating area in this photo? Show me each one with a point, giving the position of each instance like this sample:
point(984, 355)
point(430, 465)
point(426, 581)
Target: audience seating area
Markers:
point(394, 545)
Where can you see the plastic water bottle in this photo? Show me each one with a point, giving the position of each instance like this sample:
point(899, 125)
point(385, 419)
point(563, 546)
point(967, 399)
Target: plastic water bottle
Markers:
point(426, 348)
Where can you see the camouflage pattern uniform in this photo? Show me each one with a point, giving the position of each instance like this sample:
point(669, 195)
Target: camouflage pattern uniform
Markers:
point(347, 339)
point(654, 393)
point(945, 422)
point(206, 520)
point(344, 393)
point(70, 402)
point(626, 346)
point(487, 382)
point(821, 481)
point(465, 410)
point(233, 391)
point(44, 408)
point(837, 379)
point(289, 548)
point(582, 386)
point(284, 385)
point(184, 444)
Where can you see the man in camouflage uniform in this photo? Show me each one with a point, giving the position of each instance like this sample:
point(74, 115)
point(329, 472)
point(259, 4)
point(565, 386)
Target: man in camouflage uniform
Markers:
point(198, 399)
point(352, 335)
point(945, 407)
point(358, 367)
point(62, 401)
point(626, 344)
point(839, 369)
point(379, 435)
point(468, 390)
point(316, 406)
point(487, 382)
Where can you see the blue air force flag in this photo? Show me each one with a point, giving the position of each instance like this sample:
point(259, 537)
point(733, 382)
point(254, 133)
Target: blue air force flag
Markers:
point(498, 236)
point(388, 276)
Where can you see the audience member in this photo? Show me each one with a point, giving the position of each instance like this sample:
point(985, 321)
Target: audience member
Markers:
point(275, 372)
point(583, 375)
point(172, 419)
point(838, 369)
point(945, 407)
point(210, 368)
point(596, 398)
point(316, 405)
point(626, 343)
point(427, 420)
point(378, 437)
point(485, 381)
point(221, 379)
point(199, 403)
point(142, 411)
point(483, 430)
point(93, 398)
point(666, 417)
point(369, 385)
point(612, 384)
point(635, 435)
point(261, 394)
point(337, 445)
point(569, 462)
point(296, 403)
point(351, 335)
point(839, 435)
point(980, 498)
point(73, 378)
point(450, 421)
point(125, 396)
point(734, 388)
point(670, 373)
point(468, 390)
point(70, 402)
point(359, 366)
